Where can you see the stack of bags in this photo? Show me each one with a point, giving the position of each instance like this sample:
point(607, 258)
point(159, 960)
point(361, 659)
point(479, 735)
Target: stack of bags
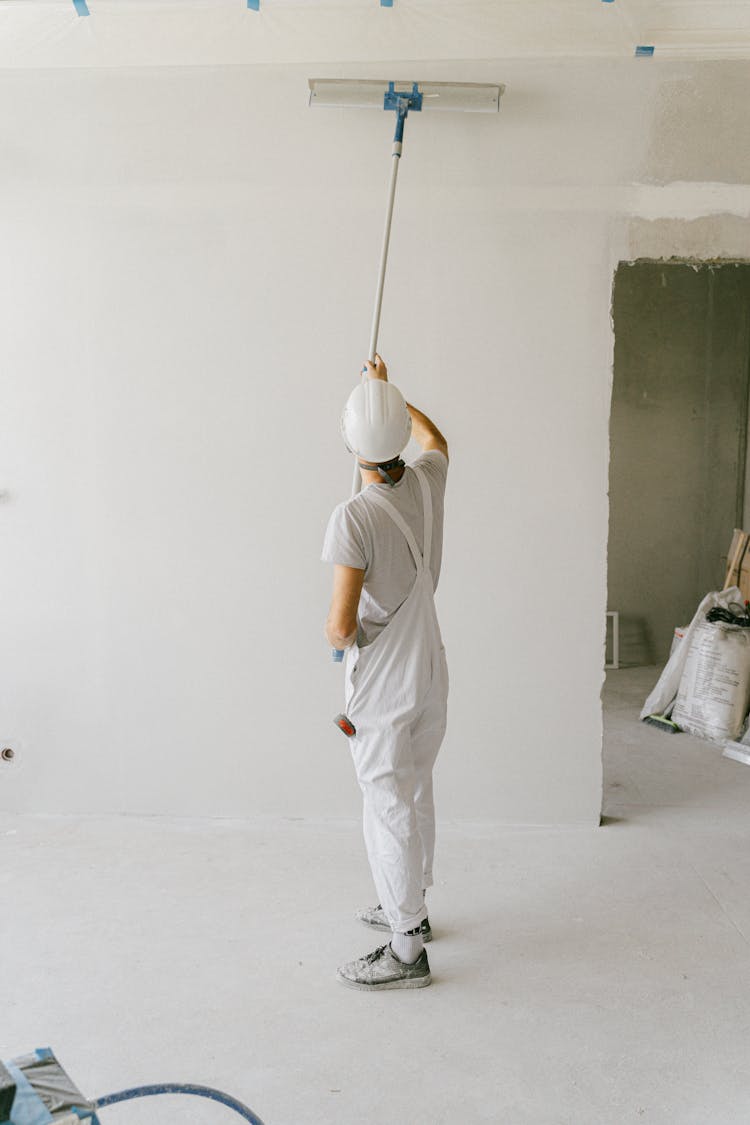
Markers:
point(705, 686)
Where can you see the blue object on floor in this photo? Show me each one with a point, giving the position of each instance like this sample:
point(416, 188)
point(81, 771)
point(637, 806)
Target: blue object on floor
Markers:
point(44, 1094)
point(181, 1088)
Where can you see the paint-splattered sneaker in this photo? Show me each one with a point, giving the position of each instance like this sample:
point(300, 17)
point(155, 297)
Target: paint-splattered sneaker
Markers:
point(382, 969)
point(374, 917)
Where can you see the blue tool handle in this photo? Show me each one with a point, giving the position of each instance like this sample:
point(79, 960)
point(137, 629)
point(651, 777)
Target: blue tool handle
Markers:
point(338, 655)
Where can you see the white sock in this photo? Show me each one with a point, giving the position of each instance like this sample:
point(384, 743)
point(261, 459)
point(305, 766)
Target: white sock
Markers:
point(407, 947)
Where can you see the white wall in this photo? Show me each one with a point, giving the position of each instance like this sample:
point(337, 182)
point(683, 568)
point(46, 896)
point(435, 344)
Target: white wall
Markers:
point(186, 281)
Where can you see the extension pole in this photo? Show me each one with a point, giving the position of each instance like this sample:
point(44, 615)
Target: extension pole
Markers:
point(396, 157)
point(403, 109)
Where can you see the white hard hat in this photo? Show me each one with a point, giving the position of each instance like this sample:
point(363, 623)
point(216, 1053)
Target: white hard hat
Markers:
point(375, 423)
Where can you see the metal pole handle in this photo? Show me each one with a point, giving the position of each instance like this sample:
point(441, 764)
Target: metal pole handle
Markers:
point(396, 158)
point(395, 161)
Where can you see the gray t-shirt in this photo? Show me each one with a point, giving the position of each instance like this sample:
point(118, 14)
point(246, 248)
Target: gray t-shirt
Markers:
point(362, 535)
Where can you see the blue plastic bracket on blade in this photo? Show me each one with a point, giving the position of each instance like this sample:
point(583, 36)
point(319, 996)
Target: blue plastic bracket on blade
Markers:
point(394, 99)
point(81, 7)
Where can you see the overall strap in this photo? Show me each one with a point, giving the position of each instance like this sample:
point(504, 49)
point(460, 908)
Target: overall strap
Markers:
point(427, 509)
point(400, 523)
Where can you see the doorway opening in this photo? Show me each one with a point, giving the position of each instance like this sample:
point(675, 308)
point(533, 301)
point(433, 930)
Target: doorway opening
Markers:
point(678, 437)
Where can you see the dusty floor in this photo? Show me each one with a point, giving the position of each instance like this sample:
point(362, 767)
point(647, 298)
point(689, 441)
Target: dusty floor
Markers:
point(581, 977)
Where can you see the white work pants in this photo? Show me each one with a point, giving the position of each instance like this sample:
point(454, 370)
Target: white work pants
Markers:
point(397, 691)
point(394, 764)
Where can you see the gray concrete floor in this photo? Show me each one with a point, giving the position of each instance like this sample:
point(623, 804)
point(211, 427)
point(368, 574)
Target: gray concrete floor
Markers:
point(581, 977)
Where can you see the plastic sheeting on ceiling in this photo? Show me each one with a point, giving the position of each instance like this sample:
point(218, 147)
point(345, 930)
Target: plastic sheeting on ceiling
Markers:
point(51, 33)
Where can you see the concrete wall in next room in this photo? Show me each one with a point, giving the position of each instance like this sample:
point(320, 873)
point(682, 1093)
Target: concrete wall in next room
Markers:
point(678, 438)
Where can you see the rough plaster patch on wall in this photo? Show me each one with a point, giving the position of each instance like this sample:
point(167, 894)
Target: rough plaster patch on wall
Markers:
point(709, 237)
point(687, 200)
point(682, 200)
point(696, 115)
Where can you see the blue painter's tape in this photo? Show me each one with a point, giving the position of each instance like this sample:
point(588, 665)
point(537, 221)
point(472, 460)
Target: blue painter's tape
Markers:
point(253, 5)
point(644, 52)
point(81, 7)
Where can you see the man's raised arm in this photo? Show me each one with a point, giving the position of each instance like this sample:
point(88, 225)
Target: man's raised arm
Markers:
point(425, 433)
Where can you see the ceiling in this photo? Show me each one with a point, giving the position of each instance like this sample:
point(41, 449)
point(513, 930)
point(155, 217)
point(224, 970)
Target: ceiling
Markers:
point(49, 33)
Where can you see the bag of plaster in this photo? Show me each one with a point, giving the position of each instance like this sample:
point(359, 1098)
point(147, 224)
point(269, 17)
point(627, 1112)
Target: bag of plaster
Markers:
point(662, 698)
point(714, 693)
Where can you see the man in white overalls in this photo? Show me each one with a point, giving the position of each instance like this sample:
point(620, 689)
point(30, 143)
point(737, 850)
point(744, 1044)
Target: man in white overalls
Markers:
point(386, 546)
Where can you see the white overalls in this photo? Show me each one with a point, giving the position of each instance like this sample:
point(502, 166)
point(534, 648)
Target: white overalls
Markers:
point(396, 697)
